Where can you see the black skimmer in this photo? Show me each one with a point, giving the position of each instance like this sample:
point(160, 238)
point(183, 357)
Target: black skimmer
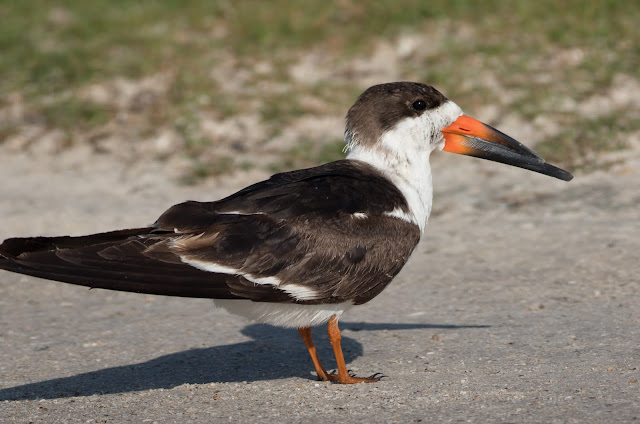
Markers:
point(302, 247)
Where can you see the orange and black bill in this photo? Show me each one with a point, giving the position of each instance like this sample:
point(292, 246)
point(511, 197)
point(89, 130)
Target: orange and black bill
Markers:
point(468, 136)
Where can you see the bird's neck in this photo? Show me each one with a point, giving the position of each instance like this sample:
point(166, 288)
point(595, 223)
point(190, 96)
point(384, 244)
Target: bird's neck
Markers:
point(408, 170)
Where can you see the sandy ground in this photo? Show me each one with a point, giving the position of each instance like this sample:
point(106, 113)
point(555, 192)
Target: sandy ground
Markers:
point(521, 304)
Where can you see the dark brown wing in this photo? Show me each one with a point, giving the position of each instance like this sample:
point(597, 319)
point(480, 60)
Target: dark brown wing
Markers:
point(322, 234)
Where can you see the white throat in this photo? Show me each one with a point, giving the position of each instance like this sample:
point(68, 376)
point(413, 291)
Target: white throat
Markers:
point(402, 155)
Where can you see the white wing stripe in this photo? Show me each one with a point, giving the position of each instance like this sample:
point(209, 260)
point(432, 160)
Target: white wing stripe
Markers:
point(297, 291)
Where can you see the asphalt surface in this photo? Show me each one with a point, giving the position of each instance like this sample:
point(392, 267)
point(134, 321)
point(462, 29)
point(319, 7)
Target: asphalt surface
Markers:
point(520, 305)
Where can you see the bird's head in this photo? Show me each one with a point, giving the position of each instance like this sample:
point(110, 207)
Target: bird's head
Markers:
point(408, 119)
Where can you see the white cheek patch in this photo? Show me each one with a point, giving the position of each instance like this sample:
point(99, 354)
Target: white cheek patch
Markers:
point(420, 135)
point(440, 118)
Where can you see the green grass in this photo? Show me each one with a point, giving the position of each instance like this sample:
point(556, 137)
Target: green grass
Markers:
point(73, 113)
point(52, 50)
point(49, 46)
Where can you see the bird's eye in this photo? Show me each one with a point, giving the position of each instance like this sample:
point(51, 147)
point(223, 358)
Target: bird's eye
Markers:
point(419, 105)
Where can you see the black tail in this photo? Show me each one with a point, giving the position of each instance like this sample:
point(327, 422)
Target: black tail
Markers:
point(16, 247)
point(115, 260)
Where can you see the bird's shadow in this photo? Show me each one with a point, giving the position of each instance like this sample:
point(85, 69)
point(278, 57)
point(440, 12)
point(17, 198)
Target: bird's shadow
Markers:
point(274, 353)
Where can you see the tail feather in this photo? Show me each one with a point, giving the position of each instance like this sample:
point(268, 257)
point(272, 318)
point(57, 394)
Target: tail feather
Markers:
point(15, 247)
point(81, 261)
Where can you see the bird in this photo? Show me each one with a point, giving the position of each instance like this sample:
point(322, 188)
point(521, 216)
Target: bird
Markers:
point(303, 247)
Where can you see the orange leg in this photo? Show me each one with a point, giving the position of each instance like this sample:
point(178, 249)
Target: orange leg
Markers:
point(343, 374)
point(305, 333)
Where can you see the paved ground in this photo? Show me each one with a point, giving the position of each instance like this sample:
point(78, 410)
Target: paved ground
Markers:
point(521, 305)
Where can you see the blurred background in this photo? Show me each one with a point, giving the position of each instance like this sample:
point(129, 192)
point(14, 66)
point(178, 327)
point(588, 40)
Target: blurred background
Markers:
point(213, 88)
